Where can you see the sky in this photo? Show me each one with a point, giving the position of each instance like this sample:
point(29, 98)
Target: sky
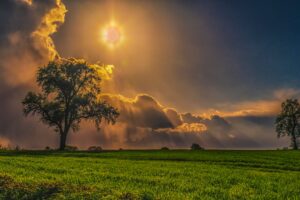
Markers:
point(209, 71)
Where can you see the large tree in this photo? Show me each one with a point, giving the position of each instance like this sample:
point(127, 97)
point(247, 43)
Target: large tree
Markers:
point(70, 91)
point(288, 121)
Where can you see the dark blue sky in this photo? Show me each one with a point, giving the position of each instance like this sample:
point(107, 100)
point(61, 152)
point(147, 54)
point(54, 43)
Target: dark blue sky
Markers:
point(264, 35)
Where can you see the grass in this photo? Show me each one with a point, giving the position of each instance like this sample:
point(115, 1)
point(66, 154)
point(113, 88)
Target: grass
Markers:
point(176, 174)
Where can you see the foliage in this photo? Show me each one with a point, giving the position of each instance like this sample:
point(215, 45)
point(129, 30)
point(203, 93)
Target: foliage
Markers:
point(3, 148)
point(10, 189)
point(70, 94)
point(17, 148)
point(165, 148)
point(288, 121)
point(196, 147)
point(71, 148)
point(47, 148)
point(176, 174)
point(95, 148)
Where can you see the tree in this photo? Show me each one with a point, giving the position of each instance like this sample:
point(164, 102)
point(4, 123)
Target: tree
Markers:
point(288, 121)
point(196, 146)
point(95, 148)
point(70, 93)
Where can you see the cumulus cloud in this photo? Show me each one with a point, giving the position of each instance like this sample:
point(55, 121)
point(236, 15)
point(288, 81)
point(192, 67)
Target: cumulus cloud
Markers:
point(144, 111)
point(145, 123)
point(141, 111)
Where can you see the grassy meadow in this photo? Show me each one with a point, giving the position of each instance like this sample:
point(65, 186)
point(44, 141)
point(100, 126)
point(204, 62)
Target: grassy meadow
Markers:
point(176, 174)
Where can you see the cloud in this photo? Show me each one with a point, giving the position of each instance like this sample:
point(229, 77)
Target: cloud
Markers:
point(173, 116)
point(49, 24)
point(146, 123)
point(261, 107)
point(25, 44)
point(186, 128)
point(190, 118)
point(28, 2)
point(141, 111)
point(25, 38)
point(143, 123)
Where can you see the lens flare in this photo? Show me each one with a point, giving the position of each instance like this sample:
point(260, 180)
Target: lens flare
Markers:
point(112, 35)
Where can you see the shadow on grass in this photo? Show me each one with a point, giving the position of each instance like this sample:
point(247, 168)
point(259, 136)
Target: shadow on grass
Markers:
point(13, 190)
point(10, 189)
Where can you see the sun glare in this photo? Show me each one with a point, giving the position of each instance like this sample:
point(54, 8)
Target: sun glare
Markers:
point(112, 35)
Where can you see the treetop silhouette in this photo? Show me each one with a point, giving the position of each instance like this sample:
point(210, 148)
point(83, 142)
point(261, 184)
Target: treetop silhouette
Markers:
point(70, 91)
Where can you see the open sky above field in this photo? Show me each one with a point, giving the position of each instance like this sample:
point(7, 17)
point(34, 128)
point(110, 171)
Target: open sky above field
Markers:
point(207, 72)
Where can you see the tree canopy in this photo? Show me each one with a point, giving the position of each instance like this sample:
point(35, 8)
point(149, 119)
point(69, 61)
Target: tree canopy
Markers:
point(288, 121)
point(70, 91)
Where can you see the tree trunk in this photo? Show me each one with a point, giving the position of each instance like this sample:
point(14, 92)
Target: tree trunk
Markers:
point(63, 138)
point(294, 142)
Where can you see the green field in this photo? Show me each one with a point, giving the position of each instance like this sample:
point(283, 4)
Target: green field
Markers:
point(150, 175)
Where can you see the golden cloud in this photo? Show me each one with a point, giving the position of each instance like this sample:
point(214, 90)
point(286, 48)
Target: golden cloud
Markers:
point(145, 111)
point(28, 2)
point(104, 71)
point(268, 107)
point(48, 26)
point(186, 128)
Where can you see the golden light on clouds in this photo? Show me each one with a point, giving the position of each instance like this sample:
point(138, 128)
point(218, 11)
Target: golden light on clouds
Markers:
point(48, 26)
point(105, 71)
point(112, 35)
point(29, 2)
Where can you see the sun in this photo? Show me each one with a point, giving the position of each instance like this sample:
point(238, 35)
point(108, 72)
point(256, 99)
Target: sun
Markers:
point(112, 35)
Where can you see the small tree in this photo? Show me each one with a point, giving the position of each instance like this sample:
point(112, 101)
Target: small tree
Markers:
point(95, 148)
point(288, 121)
point(196, 146)
point(70, 94)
